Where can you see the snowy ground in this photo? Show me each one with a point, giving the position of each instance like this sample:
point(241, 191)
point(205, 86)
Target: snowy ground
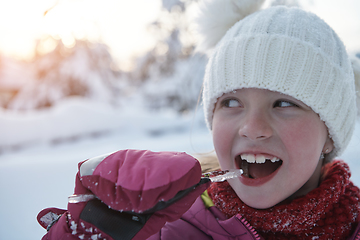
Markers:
point(40, 152)
point(40, 172)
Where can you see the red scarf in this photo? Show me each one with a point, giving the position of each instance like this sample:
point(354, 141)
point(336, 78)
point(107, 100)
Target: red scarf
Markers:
point(330, 211)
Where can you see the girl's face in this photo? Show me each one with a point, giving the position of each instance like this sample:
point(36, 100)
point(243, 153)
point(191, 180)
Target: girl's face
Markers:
point(277, 140)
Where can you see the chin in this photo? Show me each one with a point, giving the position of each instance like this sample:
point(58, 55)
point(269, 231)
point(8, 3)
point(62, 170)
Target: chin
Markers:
point(260, 205)
point(256, 200)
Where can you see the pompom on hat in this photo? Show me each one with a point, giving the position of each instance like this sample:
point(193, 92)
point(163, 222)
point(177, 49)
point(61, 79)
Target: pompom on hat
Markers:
point(285, 50)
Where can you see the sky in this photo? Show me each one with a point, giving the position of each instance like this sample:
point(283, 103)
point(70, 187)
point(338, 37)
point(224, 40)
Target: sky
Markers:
point(121, 24)
point(343, 16)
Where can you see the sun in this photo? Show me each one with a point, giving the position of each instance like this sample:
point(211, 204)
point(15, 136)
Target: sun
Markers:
point(118, 23)
point(17, 21)
point(70, 20)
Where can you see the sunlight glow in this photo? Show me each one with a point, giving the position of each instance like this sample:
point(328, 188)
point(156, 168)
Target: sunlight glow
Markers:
point(119, 23)
point(17, 21)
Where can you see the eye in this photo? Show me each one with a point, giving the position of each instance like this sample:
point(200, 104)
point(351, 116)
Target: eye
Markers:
point(230, 103)
point(284, 103)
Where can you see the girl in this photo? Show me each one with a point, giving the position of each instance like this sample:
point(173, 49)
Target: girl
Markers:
point(279, 98)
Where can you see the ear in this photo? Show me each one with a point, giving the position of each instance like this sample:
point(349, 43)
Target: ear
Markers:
point(328, 146)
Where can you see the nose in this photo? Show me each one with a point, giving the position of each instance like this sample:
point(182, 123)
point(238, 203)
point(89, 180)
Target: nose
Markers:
point(256, 126)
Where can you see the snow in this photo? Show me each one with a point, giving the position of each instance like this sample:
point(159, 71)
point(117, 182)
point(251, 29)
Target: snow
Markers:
point(40, 172)
point(84, 70)
point(10, 70)
point(40, 151)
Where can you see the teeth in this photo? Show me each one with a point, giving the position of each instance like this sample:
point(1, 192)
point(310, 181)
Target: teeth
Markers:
point(260, 159)
point(251, 158)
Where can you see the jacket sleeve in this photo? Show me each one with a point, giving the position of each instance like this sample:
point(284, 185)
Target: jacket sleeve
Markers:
point(179, 230)
point(201, 222)
point(356, 234)
point(187, 227)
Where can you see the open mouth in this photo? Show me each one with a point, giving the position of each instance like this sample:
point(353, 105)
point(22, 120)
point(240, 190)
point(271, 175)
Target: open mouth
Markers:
point(257, 166)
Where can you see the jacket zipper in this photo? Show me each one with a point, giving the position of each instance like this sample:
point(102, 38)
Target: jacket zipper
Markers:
point(251, 228)
point(357, 237)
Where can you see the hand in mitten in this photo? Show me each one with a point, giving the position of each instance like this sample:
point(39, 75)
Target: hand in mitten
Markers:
point(67, 224)
point(137, 192)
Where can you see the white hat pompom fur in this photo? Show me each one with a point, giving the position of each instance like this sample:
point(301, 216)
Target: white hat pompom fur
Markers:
point(356, 67)
point(215, 17)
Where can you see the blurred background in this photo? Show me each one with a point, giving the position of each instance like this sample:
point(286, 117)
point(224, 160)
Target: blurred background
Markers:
point(80, 78)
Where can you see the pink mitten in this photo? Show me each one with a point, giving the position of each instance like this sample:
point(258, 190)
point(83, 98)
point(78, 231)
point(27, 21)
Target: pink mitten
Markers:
point(67, 224)
point(136, 193)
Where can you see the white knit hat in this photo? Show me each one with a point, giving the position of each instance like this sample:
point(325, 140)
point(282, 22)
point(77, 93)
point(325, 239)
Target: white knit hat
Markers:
point(290, 51)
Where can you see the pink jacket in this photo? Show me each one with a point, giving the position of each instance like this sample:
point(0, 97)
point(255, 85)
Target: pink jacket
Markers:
point(116, 189)
point(204, 223)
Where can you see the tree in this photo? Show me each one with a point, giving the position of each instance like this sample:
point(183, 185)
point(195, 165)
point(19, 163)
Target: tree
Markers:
point(171, 73)
point(84, 70)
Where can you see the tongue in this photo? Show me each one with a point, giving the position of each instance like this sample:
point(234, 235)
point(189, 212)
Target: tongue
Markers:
point(257, 170)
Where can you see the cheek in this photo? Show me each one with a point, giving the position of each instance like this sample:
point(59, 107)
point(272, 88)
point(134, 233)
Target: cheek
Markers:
point(305, 138)
point(218, 133)
point(222, 140)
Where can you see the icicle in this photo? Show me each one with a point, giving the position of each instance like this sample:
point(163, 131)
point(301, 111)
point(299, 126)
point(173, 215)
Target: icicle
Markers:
point(76, 198)
point(221, 176)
